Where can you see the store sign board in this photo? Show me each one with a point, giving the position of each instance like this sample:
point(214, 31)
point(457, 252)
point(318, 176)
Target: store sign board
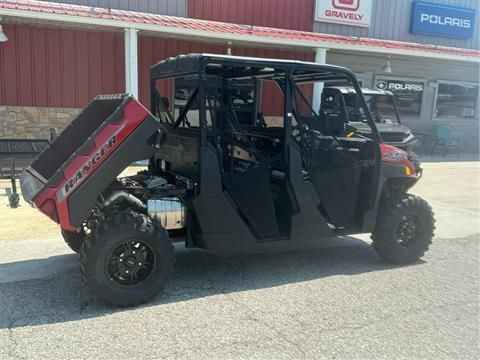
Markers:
point(397, 85)
point(408, 94)
point(442, 20)
point(348, 12)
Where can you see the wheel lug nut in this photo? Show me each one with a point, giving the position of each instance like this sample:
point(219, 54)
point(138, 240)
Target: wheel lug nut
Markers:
point(133, 252)
point(127, 271)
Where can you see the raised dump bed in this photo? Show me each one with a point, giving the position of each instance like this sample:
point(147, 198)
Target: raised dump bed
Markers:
point(109, 134)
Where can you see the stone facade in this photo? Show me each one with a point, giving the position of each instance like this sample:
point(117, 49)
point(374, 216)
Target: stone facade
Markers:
point(25, 122)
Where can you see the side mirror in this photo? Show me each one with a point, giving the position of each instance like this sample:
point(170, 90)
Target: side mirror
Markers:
point(336, 124)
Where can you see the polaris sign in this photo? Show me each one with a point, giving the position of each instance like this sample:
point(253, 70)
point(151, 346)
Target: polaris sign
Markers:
point(442, 20)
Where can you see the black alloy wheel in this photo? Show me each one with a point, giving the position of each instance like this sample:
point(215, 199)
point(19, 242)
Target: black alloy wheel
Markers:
point(408, 230)
point(127, 260)
point(131, 262)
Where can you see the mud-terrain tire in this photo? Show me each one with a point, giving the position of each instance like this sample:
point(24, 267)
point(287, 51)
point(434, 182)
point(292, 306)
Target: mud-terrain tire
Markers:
point(404, 229)
point(127, 260)
point(74, 239)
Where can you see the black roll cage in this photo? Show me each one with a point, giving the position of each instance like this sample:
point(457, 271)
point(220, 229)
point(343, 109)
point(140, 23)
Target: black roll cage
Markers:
point(286, 73)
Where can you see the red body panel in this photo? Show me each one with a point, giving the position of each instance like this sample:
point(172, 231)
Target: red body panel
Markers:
point(394, 155)
point(133, 114)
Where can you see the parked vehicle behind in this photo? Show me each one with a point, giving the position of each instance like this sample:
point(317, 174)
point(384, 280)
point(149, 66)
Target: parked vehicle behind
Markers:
point(382, 106)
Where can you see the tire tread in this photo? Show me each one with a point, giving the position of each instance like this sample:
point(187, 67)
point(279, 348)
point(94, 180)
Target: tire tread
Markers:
point(388, 214)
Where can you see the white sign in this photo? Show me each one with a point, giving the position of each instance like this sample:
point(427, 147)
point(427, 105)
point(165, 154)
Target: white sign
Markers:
point(348, 12)
point(399, 85)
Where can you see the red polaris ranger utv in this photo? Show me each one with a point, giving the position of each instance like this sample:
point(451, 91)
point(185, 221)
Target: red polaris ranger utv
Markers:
point(228, 177)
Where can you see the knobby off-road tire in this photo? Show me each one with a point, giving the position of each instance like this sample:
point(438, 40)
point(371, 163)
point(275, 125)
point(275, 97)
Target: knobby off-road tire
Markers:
point(122, 245)
point(404, 229)
point(74, 239)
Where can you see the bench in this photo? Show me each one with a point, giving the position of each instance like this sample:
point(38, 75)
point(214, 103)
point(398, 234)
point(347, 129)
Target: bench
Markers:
point(15, 156)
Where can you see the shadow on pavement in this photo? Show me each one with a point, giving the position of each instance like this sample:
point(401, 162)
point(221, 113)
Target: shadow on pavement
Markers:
point(62, 297)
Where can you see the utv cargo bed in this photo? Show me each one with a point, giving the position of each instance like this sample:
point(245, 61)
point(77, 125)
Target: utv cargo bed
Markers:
point(67, 176)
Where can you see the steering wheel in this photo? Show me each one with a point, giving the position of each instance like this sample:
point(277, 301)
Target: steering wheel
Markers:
point(355, 115)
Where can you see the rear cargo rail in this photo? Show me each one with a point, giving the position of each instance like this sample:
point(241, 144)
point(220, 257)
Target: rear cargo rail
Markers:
point(66, 178)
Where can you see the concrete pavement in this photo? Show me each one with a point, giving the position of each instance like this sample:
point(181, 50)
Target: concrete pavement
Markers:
point(334, 303)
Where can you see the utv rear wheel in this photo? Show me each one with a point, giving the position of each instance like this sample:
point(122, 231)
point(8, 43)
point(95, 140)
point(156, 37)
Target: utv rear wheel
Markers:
point(127, 260)
point(404, 229)
point(74, 239)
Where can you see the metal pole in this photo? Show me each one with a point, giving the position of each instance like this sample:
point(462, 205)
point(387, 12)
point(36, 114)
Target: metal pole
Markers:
point(320, 58)
point(131, 62)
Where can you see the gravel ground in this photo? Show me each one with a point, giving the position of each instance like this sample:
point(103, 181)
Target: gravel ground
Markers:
point(335, 302)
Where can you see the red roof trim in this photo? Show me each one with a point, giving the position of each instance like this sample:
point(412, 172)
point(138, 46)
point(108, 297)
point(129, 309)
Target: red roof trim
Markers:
point(230, 28)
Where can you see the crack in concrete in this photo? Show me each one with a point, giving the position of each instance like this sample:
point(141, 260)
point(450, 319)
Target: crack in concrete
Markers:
point(251, 313)
point(388, 317)
point(304, 326)
point(12, 353)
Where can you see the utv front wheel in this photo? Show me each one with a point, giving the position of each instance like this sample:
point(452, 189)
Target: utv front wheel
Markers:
point(127, 260)
point(404, 229)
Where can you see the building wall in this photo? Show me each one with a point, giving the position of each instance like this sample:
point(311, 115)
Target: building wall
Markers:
point(32, 122)
point(49, 74)
point(166, 7)
point(58, 71)
point(390, 18)
point(58, 67)
point(151, 50)
point(430, 71)
point(288, 14)
point(391, 21)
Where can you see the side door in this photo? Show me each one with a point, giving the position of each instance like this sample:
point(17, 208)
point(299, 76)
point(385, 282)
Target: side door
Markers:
point(340, 167)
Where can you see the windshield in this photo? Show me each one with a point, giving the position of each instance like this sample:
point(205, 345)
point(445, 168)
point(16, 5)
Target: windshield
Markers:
point(382, 108)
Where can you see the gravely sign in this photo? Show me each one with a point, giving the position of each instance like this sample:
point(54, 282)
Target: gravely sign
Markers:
point(348, 12)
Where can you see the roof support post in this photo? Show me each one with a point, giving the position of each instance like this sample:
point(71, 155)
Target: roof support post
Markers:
point(131, 62)
point(320, 58)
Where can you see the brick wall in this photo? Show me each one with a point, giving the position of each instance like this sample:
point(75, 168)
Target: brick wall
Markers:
point(25, 122)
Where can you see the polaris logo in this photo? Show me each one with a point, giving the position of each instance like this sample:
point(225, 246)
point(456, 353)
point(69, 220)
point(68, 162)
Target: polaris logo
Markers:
point(402, 86)
point(382, 85)
point(445, 20)
point(87, 167)
point(442, 20)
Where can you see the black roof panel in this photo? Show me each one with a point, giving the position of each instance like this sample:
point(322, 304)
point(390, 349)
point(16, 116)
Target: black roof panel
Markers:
point(193, 63)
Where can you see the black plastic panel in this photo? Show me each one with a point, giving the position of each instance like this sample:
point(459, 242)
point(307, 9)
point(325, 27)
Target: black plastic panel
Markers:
point(77, 133)
point(251, 192)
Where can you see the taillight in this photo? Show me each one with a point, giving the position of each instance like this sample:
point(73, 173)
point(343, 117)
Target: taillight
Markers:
point(50, 209)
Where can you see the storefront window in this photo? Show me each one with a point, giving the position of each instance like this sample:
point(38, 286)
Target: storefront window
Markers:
point(408, 94)
point(456, 101)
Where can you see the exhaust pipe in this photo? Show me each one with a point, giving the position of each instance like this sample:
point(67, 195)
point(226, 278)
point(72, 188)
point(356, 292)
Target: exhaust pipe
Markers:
point(123, 195)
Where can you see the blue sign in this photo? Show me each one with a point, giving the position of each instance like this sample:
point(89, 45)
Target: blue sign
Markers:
point(442, 20)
